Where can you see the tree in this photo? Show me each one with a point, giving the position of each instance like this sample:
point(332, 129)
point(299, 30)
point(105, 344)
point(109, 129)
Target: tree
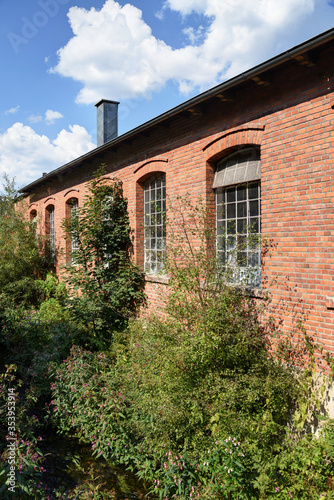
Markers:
point(23, 257)
point(105, 286)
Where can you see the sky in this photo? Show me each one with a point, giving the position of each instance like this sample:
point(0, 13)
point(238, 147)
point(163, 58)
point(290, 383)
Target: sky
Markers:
point(60, 57)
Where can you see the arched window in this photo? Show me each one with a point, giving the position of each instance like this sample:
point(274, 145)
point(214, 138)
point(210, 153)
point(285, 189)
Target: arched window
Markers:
point(50, 226)
point(33, 220)
point(154, 224)
point(72, 211)
point(238, 214)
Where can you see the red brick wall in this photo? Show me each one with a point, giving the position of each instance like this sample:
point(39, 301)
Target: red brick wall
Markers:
point(292, 121)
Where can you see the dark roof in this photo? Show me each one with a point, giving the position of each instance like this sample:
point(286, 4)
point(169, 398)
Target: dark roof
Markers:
point(295, 53)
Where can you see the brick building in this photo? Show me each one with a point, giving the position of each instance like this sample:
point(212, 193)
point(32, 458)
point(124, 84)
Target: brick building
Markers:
point(260, 144)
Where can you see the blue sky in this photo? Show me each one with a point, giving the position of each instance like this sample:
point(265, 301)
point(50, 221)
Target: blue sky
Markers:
point(59, 57)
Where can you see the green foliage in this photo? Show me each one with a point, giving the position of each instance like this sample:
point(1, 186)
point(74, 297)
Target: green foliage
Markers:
point(35, 344)
point(106, 288)
point(176, 388)
point(92, 399)
point(27, 458)
point(23, 258)
point(194, 401)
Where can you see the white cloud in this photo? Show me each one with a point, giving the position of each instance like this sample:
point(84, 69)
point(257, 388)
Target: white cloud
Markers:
point(52, 116)
point(194, 35)
point(25, 155)
point(12, 111)
point(186, 7)
point(114, 54)
point(35, 118)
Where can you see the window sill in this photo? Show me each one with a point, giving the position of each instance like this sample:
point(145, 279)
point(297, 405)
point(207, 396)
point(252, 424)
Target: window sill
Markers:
point(256, 293)
point(150, 278)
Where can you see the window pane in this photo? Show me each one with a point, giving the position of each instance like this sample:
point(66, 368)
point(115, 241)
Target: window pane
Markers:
point(253, 208)
point(241, 193)
point(230, 195)
point(254, 259)
point(242, 242)
point(230, 209)
point(242, 226)
point(220, 196)
point(231, 227)
point(254, 225)
point(253, 191)
point(242, 259)
point(242, 209)
point(231, 243)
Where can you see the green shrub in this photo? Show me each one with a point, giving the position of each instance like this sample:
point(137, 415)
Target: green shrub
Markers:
point(105, 286)
point(23, 433)
point(196, 401)
point(24, 258)
point(34, 344)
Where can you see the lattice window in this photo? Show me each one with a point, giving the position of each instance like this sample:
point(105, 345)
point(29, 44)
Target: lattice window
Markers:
point(154, 224)
point(50, 227)
point(74, 212)
point(238, 219)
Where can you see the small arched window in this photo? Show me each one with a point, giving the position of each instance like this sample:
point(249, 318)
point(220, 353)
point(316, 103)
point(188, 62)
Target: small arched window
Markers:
point(238, 214)
point(50, 226)
point(33, 220)
point(154, 223)
point(72, 213)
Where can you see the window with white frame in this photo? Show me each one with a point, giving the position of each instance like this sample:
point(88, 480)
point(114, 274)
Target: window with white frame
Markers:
point(50, 226)
point(238, 215)
point(154, 224)
point(74, 212)
point(106, 219)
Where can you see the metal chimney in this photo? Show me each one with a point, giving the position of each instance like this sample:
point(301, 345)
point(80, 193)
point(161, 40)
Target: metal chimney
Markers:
point(107, 121)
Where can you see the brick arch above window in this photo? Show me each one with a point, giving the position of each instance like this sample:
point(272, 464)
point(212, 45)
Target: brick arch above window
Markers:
point(105, 179)
point(50, 200)
point(72, 193)
point(150, 167)
point(231, 140)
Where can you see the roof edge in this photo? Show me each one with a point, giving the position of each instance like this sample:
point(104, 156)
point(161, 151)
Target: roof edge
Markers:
point(275, 61)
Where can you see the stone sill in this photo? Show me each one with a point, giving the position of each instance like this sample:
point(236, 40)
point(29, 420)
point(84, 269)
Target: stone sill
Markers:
point(150, 278)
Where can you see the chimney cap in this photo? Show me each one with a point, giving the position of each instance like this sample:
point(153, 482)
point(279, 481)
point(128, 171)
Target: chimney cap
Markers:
point(105, 100)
